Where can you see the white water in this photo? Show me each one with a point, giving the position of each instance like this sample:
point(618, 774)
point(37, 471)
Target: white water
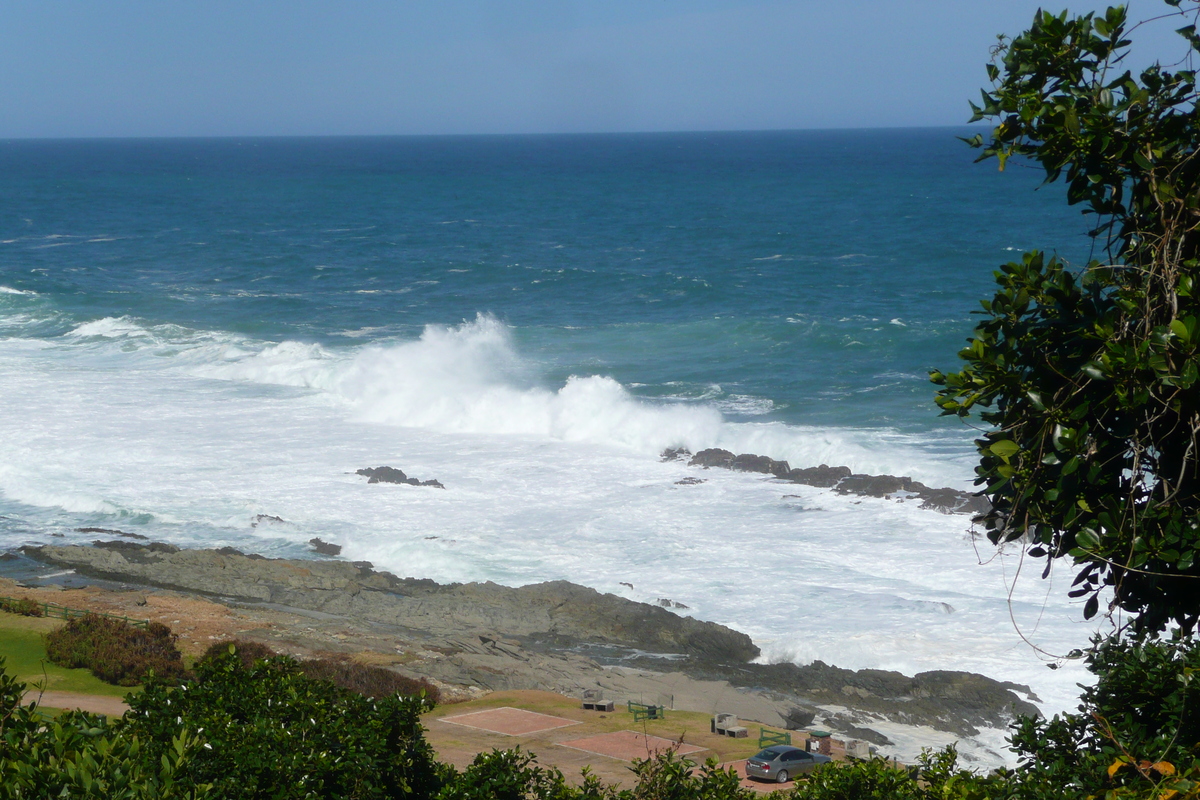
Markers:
point(186, 436)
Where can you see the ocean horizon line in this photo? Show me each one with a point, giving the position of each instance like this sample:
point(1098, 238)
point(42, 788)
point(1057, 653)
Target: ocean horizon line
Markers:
point(486, 135)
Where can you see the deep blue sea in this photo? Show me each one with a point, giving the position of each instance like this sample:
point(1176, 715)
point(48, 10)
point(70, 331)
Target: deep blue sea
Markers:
point(197, 332)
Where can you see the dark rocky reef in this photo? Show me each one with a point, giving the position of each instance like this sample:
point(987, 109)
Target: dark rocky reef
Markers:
point(113, 532)
point(959, 702)
point(559, 620)
point(558, 610)
point(393, 475)
point(841, 479)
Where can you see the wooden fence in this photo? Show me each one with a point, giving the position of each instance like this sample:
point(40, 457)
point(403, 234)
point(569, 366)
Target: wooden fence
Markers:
point(63, 612)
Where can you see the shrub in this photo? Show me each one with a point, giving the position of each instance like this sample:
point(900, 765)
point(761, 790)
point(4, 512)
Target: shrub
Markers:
point(367, 681)
point(25, 606)
point(246, 650)
point(270, 732)
point(81, 756)
point(514, 775)
point(115, 651)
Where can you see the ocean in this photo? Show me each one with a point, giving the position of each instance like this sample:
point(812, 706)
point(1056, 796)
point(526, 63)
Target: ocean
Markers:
point(194, 333)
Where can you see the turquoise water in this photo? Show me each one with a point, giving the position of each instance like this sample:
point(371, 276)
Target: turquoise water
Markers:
point(823, 272)
point(194, 333)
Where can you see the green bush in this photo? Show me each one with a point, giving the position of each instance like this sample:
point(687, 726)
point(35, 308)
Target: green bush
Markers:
point(247, 651)
point(25, 606)
point(666, 776)
point(511, 775)
point(115, 651)
point(271, 732)
point(80, 756)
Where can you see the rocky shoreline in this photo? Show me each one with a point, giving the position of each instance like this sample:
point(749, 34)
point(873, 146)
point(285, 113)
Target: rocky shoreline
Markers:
point(842, 480)
point(555, 636)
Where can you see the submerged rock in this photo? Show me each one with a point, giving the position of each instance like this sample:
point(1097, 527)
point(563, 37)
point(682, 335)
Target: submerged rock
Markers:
point(841, 479)
point(113, 532)
point(393, 475)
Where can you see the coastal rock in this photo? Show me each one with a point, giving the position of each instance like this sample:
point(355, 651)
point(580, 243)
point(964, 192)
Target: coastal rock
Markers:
point(393, 475)
point(846, 725)
point(842, 480)
point(823, 477)
point(675, 454)
point(713, 457)
point(557, 611)
point(113, 532)
point(958, 702)
point(317, 544)
point(878, 485)
point(797, 719)
point(748, 462)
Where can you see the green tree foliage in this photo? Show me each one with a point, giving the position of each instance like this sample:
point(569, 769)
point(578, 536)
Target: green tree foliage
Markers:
point(512, 775)
point(669, 777)
point(269, 731)
point(81, 756)
point(1136, 731)
point(1089, 379)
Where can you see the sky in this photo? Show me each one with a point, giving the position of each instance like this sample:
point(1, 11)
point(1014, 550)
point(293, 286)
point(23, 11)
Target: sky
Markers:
point(80, 68)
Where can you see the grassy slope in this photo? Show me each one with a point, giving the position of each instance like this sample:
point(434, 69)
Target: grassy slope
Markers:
point(25, 657)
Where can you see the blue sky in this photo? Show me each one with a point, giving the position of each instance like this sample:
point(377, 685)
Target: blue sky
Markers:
point(301, 67)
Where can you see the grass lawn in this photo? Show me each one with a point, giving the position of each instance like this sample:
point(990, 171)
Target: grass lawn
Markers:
point(691, 726)
point(25, 658)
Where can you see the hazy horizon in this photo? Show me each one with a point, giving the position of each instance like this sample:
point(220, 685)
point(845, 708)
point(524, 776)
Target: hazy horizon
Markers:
point(139, 69)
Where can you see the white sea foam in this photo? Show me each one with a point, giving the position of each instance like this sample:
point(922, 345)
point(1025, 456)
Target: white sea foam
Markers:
point(10, 290)
point(111, 328)
point(189, 434)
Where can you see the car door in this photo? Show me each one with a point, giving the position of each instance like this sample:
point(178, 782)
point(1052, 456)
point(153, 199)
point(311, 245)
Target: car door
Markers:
point(801, 762)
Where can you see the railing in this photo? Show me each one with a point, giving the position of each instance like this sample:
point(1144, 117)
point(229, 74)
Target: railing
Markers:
point(767, 738)
point(63, 612)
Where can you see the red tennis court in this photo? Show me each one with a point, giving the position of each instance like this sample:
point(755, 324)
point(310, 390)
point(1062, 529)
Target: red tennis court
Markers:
point(509, 721)
point(628, 745)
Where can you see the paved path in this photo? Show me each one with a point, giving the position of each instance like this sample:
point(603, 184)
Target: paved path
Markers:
point(96, 703)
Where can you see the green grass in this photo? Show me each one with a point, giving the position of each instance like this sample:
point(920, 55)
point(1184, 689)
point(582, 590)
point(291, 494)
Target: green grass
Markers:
point(24, 652)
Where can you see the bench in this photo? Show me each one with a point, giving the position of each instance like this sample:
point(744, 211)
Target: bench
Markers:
point(641, 711)
point(858, 750)
point(727, 725)
point(593, 700)
point(767, 738)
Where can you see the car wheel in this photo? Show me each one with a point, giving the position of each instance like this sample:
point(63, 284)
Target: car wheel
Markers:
point(782, 776)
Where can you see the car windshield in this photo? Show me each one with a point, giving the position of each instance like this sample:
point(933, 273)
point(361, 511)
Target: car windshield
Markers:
point(767, 755)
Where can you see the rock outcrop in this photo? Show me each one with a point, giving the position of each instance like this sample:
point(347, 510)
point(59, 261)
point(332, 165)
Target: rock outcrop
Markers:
point(393, 475)
point(324, 548)
point(841, 479)
point(554, 636)
point(557, 611)
point(960, 702)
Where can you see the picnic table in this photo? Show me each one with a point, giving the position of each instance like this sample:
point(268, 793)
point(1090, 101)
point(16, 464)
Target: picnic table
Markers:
point(641, 711)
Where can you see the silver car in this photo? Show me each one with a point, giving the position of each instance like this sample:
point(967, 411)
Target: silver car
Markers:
point(781, 763)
